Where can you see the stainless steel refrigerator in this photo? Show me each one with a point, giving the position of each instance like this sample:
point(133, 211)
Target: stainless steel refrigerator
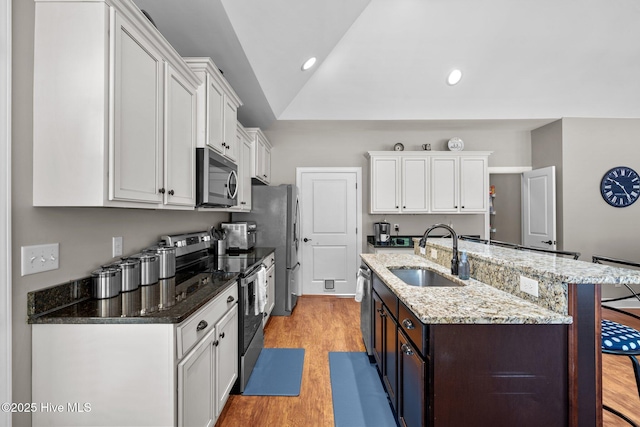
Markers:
point(276, 213)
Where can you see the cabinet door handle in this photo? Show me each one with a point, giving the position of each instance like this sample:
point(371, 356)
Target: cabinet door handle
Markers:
point(215, 343)
point(202, 325)
point(408, 324)
point(222, 335)
point(407, 350)
point(230, 298)
point(171, 192)
point(161, 191)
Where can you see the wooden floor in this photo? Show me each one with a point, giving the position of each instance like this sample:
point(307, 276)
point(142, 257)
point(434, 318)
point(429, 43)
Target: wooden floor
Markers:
point(323, 324)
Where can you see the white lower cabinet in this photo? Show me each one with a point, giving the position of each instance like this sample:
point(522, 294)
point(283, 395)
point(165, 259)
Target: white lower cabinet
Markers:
point(142, 374)
point(270, 262)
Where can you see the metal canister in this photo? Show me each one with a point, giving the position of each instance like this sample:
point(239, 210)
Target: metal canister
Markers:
point(106, 282)
point(167, 256)
point(149, 268)
point(130, 268)
point(167, 293)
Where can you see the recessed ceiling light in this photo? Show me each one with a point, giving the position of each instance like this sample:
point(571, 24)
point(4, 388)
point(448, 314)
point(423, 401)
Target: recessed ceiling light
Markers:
point(454, 77)
point(309, 63)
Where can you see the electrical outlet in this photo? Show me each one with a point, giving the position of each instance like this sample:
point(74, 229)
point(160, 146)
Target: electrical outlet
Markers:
point(529, 286)
point(116, 244)
point(39, 258)
point(434, 253)
point(396, 227)
point(423, 251)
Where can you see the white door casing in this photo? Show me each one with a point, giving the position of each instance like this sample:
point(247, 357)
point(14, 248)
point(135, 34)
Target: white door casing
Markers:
point(330, 206)
point(539, 208)
point(5, 209)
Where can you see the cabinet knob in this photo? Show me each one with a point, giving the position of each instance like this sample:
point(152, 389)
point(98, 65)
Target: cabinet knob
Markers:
point(407, 350)
point(215, 343)
point(161, 191)
point(408, 324)
point(171, 192)
point(230, 298)
point(202, 325)
point(222, 335)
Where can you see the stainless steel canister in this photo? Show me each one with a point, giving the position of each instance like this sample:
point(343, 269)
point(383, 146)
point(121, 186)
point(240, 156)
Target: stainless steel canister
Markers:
point(149, 268)
point(130, 268)
point(167, 256)
point(106, 282)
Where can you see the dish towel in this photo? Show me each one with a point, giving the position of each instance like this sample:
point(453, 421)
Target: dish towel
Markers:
point(261, 290)
point(359, 286)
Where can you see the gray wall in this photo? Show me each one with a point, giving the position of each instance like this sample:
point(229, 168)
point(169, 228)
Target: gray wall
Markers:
point(335, 143)
point(84, 234)
point(547, 150)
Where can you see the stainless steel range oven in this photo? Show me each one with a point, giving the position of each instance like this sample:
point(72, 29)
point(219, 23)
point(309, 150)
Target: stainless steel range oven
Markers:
point(251, 335)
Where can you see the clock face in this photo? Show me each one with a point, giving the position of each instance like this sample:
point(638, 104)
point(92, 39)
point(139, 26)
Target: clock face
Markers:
point(620, 187)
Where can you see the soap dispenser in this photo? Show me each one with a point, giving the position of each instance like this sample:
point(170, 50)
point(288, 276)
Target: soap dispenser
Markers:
point(463, 266)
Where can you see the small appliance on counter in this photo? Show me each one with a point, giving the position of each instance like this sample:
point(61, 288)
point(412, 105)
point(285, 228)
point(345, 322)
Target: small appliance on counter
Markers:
point(382, 233)
point(241, 235)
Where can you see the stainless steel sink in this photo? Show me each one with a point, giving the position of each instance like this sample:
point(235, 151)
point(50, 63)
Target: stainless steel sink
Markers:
point(422, 277)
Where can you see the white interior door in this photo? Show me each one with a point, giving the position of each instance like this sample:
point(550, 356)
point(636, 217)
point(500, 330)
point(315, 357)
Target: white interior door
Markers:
point(329, 206)
point(539, 208)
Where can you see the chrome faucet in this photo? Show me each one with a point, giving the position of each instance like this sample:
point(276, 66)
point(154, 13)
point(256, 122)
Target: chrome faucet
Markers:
point(454, 260)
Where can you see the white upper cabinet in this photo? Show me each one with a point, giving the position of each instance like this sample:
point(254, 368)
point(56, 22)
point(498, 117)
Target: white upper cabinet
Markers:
point(399, 184)
point(217, 109)
point(245, 165)
point(114, 110)
point(416, 182)
point(262, 155)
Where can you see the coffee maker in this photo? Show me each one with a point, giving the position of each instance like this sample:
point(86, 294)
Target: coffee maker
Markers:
point(382, 233)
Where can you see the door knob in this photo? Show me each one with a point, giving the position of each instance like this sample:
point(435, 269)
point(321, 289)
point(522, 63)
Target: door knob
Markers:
point(306, 240)
point(549, 242)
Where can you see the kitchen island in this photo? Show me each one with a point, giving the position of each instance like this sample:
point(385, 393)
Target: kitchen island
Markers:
point(567, 309)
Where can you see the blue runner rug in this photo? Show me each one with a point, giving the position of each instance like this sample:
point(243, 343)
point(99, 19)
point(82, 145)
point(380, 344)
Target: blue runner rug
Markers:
point(278, 372)
point(359, 399)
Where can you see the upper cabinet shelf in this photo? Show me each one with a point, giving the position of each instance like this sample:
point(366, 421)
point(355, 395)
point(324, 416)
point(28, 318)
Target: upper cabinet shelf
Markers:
point(418, 182)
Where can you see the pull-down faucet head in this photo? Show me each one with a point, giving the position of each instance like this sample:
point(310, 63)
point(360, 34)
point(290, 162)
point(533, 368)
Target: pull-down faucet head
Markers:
point(454, 259)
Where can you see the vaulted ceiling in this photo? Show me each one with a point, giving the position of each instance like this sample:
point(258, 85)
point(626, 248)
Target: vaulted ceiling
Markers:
point(389, 59)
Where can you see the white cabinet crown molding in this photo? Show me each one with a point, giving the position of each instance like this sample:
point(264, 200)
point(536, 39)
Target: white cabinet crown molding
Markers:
point(207, 65)
point(425, 153)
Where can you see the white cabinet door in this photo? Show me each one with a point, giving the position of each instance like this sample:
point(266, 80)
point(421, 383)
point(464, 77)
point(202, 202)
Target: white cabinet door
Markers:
point(226, 357)
point(230, 126)
point(385, 183)
point(444, 184)
point(196, 401)
point(262, 155)
point(415, 185)
point(474, 185)
point(215, 109)
point(180, 141)
point(266, 164)
point(244, 173)
point(271, 292)
point(136, 169)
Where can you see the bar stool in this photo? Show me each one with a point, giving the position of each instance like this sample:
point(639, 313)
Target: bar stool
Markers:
point(619, 339)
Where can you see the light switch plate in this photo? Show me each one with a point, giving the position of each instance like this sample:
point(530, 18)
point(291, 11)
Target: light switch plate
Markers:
point(529, 286)
point(423, 251)
point(39, 258)
point(434, 253)
point(116, 244)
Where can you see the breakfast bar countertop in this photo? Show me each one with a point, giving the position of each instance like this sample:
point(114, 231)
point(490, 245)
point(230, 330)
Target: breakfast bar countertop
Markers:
point(474, 302)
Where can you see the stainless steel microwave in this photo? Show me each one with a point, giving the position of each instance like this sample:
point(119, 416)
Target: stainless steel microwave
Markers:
point(216, 180)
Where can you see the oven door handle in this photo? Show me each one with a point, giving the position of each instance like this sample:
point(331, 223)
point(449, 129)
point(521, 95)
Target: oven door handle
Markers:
point(235, 193)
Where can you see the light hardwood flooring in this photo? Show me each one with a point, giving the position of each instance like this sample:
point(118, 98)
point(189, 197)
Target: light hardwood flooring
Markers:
point(321, 324)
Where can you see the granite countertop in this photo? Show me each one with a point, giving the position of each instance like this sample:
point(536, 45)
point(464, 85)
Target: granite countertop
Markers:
point(474, 302)
point(559, 269)
point(162, 302)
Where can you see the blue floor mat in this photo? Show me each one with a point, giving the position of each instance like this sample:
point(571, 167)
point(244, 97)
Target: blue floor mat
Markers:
point(278, 372)
point(358, 397)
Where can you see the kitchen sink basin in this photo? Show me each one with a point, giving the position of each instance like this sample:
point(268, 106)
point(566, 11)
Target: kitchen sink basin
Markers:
point(422, 277)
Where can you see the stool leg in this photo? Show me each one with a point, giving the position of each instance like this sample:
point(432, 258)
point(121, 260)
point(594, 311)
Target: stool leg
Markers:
point(619, 414)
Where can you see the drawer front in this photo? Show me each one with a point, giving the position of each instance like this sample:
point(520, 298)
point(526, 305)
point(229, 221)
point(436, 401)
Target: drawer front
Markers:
point(413, 328)
point(203, 321)
point(388, 297)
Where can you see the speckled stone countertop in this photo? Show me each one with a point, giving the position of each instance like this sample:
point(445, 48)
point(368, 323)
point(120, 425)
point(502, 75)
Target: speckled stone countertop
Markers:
point(555, 268)
point(162, 302)
point(474, 302)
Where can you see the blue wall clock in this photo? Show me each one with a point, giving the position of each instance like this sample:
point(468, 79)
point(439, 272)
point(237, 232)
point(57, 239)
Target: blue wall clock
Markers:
point(620, 187)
